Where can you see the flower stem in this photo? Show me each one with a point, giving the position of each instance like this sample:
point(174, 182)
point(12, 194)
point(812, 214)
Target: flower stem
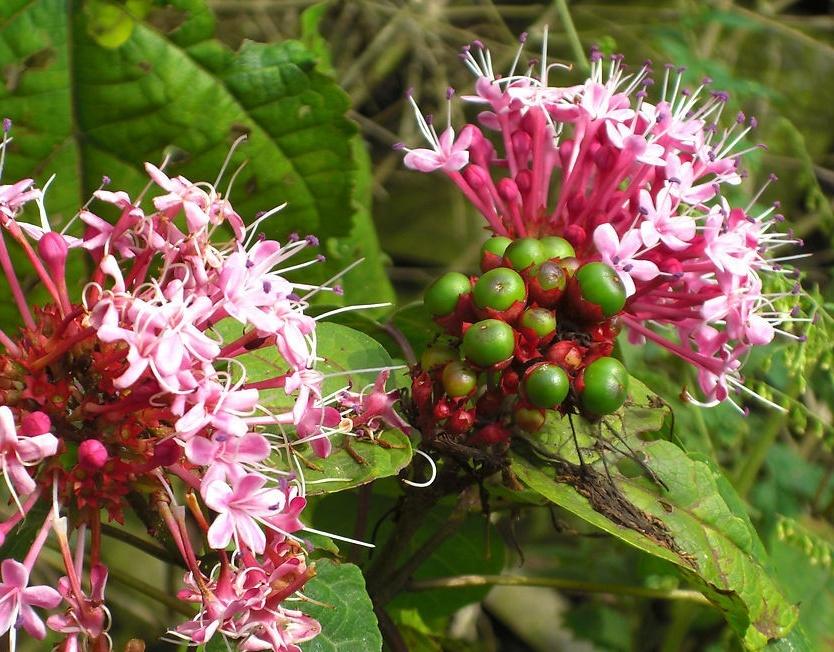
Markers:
point(140, 544)
point(151, 591)
point(572, 586)
point(572, 34)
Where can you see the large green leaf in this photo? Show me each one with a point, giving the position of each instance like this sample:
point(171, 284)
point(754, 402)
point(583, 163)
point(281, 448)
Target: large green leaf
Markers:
point(694, 520)
point(346, 614)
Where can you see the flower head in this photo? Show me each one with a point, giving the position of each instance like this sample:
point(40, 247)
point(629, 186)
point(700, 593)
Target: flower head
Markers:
point(635, 183)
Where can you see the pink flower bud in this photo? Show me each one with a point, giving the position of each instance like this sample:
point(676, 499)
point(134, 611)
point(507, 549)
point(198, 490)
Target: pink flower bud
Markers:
point(35, 423)
point(524, 180)
point(508, 190)
point(522, 143)
point(477, 177)
point(92, 455)
point(53, 250)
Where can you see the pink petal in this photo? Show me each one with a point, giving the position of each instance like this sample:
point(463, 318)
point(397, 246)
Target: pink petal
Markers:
point(217, 495)
point(31, 622)
point(201, 451)
point(759, 330)
point(220, 532)
point(606, 240)
point(14, 574)
point(643, 269)
point(42, 596)
point(34, 449)
point(251, 534)
point(423, 160)
point(252, 448)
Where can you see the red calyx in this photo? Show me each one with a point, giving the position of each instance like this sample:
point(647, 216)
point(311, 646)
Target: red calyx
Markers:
point(490, 434)
point(460, 421)
point(567, 354)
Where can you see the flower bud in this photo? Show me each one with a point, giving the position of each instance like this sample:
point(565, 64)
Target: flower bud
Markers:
point(92, 455)
point(53, 250)
point(35, 423)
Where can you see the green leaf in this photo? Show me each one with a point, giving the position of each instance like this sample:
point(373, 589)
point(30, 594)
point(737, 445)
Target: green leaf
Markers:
point(697, 521)
point(82, 111)
point(803, 559)
point(341, 470)
point(343, 353)
point(19, 540)
point(475, 548)
point(347, 616)
point(368, 282)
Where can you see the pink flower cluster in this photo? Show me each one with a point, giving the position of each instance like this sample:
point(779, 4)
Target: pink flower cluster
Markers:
point(635, 183)
point(139, 387)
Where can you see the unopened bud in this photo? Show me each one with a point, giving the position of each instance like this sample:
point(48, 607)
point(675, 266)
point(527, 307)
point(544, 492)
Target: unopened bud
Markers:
point(53, 250)
point(35, 423)
point(92, 455)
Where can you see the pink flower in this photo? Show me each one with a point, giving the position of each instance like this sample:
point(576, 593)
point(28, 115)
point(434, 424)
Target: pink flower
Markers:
point(312, 424)
point(620, 254)
point(239, 508)
point(682, 179)
point(634, 145)
point(661, 225)
point(217, 406)
point(376, 407)
point(18, 452)
point(446, 154)
point(84, 615)
point(182, 194)
point(14, 196)
point(17, 599)
point(225, 455)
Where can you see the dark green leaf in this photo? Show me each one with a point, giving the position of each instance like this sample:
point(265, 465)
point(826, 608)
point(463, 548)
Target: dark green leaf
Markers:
point(696, 522)
point(346, 615)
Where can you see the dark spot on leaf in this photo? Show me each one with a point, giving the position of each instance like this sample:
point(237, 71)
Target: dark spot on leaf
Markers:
point(251, 186)
point(666, 506)
point(238, 130)
point(40, 59)
point(145, 66)
point(176, 155)
point(607, 499)
point(167, 19)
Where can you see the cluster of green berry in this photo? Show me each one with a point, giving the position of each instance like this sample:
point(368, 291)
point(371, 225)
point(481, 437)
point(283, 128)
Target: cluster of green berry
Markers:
point(533, 333)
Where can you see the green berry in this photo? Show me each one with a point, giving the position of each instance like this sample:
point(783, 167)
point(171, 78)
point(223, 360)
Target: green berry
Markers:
point(499, 289)
point(600, 285)
point(437, 355)
point(496, 245)
point(488, 342)
point(442, 296)
point(459, 379)
point(556, 247)
point(606, 386)
point(523, 253)
point(539, 320)
point(551, 277)
point(546, 385)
